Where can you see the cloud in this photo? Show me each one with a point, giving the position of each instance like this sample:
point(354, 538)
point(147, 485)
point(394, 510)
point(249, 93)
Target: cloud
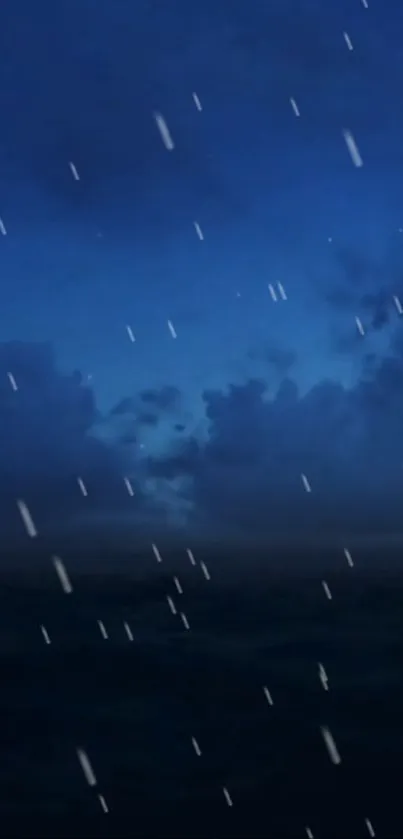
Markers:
point(164, 399)
point(246, 478)
point(366, 287)
point(182, 462)
point(46, 428)
point(378, 305)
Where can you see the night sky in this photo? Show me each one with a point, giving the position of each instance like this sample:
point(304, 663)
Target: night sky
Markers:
point(226, 397)
point(201, 386)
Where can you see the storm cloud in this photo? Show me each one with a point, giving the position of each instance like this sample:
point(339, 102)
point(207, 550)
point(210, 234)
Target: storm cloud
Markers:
point(47, 421)
point(247, 477)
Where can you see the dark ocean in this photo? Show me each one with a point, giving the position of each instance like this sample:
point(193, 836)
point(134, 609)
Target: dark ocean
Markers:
point(133, 706)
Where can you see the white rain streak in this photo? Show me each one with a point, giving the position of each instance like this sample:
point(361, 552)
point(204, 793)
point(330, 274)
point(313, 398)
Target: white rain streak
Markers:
point(227, 797)
point(326, 589)
point(3, 230)
point(360, 326)
point(128, 486)
point(365, 4)
point(330, 745)
point(130, 333)
point(102, 630)
point(128, 631)
point(370, 828)
point(103, 803)
point(196, 747)
point(172, 329)
point(198, 230)
point(309, 832)
point(348, 556)
point(86, 767)
point(306, 483)
point(273, 294)
point(191, 557)
point(282, 291)
point(27, 519)
point(268, 695)
point(171, 605)
point(45, 635)
point(295, 107)
point(352, 148)
point(398, 304)
point(74, 172)
point(348, 40)
point(62, 574)
point(197, 102)
point(83, 488)
point(185, 620)
point(178, 586)
point(156, 553)
point(323, 676)
point(205, 570)
point(164, 132)
point(12, 381)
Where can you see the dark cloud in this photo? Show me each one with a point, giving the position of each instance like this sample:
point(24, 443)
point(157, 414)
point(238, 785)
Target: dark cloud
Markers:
point(365, 285)
point(104, 69)
point(376, 310)
point(247, 477)
point(147, 418)
point(165, 399)
point(378, 305)
point(46, 429)
point(130, 414)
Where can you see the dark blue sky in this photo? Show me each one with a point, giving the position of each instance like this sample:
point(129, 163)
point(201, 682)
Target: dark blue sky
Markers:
point(216, 426)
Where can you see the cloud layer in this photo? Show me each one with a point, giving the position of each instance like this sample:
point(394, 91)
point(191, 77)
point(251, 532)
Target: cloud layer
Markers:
point(243, 480)
point(46, 424)
point(247, 477)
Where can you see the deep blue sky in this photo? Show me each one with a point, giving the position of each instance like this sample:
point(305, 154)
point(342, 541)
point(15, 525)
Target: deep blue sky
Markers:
point(278, 199)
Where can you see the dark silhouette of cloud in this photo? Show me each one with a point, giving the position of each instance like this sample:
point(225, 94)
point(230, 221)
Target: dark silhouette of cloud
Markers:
point(365, 288)
point(147, 418)
point(126, 419)
point(46, 430)
point(376, 306)
point(379, 306)
point(164, 399)
point(246, 478)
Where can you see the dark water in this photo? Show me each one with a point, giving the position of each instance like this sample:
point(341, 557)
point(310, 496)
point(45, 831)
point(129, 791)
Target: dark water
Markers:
point(135, 706)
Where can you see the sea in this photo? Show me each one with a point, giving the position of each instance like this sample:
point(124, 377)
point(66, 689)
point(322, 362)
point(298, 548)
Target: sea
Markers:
point(202, 694)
